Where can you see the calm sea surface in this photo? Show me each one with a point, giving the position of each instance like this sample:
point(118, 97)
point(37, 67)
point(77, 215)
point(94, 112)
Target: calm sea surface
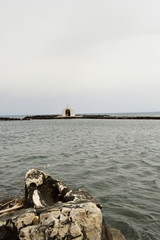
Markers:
point(117, 161)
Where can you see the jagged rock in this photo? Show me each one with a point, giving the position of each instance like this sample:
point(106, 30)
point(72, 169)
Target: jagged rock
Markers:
point(52, 211)
point(42, 190)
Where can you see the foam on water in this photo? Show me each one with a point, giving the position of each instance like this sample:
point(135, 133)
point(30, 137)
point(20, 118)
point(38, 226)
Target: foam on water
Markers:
point(117, 161)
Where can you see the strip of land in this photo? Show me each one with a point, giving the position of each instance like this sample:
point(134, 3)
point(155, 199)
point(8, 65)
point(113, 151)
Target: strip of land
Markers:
point(84, 116)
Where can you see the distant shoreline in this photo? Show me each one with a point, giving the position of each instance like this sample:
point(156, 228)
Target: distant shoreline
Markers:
point(84, 116)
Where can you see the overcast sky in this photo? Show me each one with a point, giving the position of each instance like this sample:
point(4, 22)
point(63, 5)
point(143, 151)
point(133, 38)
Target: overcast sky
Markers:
point(98, 56)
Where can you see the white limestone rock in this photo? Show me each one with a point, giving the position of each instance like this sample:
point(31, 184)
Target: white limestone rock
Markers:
point(53, 211)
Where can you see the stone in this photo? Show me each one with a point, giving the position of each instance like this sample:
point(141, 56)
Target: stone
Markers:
point(42, 190)
point(117, 235)
point(52, 211)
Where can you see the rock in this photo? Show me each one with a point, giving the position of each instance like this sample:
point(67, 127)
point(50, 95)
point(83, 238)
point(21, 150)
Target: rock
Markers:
point(117, 235)
point(52, 211)
point(42, 190)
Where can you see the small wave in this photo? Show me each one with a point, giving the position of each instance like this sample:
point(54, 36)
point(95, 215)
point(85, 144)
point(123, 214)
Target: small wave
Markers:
point(34, 157)
point(157, 183)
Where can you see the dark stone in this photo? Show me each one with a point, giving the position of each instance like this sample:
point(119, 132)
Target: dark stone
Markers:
point(8, 231)
point(41, 190)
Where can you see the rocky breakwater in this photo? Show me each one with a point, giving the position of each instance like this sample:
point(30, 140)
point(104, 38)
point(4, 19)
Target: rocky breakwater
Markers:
point(52, 211)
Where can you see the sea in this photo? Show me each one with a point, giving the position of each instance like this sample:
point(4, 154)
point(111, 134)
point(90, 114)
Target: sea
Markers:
point(117, 161)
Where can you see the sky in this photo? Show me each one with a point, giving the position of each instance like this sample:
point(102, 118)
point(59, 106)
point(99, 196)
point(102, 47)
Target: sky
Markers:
point(98, 56)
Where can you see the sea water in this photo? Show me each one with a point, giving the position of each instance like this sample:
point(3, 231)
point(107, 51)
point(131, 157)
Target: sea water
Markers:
point(117, 161)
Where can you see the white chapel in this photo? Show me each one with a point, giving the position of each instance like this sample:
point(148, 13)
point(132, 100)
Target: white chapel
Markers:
point(68, 112)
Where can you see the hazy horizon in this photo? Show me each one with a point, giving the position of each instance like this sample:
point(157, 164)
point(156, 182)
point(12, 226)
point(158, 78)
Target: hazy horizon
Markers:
point(96, 56)
point(95, 113)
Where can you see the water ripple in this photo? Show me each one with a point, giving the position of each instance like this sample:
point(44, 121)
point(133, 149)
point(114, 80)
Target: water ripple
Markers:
point(116, 161)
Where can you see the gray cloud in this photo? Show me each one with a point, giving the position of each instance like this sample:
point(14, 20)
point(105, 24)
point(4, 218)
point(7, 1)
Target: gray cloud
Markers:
point(98, 56)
